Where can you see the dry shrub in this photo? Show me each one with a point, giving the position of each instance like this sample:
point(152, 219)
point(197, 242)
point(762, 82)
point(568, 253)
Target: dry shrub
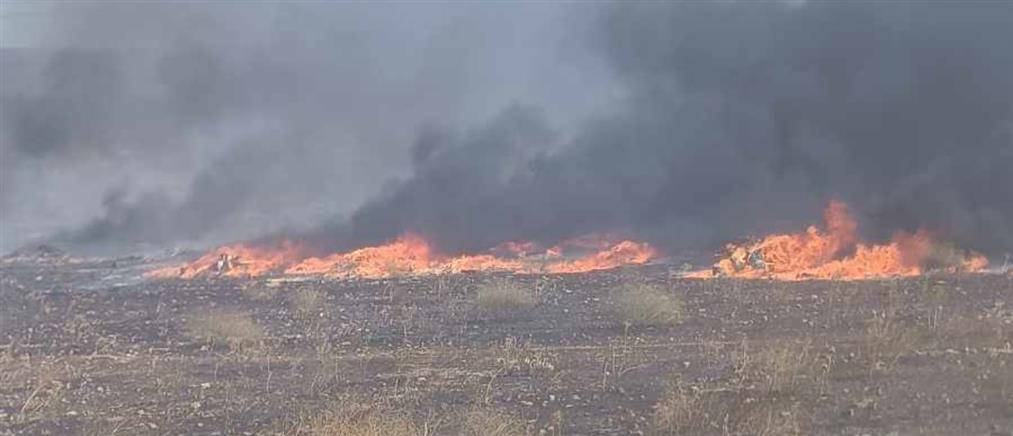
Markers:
point(768, 419)
point(47, 392)
point(780, 368)
point(362, 417)
point(258, 292)
point(306, 303)
point(231, 327)
point(885, 340)
point(686, 411)
point(370, 423)
point(759, 397)
point(482, 422)
point(645, 305)
point(682, 410)
point(503, 296)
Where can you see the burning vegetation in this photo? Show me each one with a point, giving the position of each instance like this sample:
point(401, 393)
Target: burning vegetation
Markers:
point(831, 252)
point(411, 254)
point(835, 252)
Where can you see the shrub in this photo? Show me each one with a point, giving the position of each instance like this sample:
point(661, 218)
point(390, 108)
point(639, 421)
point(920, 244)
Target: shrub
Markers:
point(504, 297)
point(306, 303)
point(233, 328)
point(645, 305)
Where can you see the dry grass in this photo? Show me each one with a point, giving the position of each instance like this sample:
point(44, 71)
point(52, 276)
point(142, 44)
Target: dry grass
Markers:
point(769, 419)
point(484, 422)
point(504, 296)
point(646, 305)
point(372, 418)
point(780, 368)
point(693, 411)
point(306, 303)
point(231, 327)
point(259, 292)
point(886, 339)
point(760, 397)
point(363, 422)
point(682, 410)
point(45, 391)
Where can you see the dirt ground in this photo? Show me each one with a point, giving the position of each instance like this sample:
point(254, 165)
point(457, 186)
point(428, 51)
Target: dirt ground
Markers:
point(631, 351)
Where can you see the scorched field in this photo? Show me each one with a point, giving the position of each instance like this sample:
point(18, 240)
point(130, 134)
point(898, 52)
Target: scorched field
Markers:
point(635, 350)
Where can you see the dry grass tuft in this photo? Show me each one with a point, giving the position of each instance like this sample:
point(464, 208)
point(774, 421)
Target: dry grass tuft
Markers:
point(503, 296)
point(682, 410)
point(886, 339)
point(258, 292)
point(769, 419)
point(694, 411)
point(231, 327)
point(367, 423)
point(780, 368)
point(307, 303)
point(482, 422)
point(760, 396)
point(363, 417)
point(644, 305)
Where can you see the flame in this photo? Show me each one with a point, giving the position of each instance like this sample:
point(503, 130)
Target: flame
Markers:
point(835, 253)
point(411, 254)
point(407, 254)
point(239, 260)
point(623, 253)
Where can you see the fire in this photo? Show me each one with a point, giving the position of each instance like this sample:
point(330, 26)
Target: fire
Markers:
point(411, 254)
point(407, 254)
point(623, 253)
point(237, 260)
point(835, 253)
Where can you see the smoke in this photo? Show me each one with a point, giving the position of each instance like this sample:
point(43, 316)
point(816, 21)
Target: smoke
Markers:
point(745, 117)
point(132, 125)
point(732, 118)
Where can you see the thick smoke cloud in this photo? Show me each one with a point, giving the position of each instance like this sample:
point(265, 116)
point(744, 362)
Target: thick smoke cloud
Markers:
point(132, 125)
point(735, 118)
point(745, 117)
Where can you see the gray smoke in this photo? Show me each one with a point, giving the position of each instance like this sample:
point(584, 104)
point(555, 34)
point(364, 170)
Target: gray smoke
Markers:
point(734, 118)
point(745, 117)
point(131, 125)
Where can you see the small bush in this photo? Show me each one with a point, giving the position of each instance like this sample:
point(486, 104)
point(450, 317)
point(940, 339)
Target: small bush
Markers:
point(306, 303)
point(370, 423)
point(504, 297)
point(233, 328)
point(682, 410)
point(360, 416)
point(257, 292)
point(646, 305)
point(886, 339)
point(769, 419)
point(481, 422)
point(781, 367)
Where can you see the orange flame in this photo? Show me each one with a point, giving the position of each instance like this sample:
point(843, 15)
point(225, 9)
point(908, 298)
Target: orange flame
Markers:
point(834, 253)
point(407, 254)
point(623, 253)
point(410, 254)
point(239, 260)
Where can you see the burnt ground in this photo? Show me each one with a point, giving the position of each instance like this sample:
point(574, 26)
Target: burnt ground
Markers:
point(83, 354)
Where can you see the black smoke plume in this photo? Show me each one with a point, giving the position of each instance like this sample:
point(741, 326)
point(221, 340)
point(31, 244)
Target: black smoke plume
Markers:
point(744, 117)
point(736, 118)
